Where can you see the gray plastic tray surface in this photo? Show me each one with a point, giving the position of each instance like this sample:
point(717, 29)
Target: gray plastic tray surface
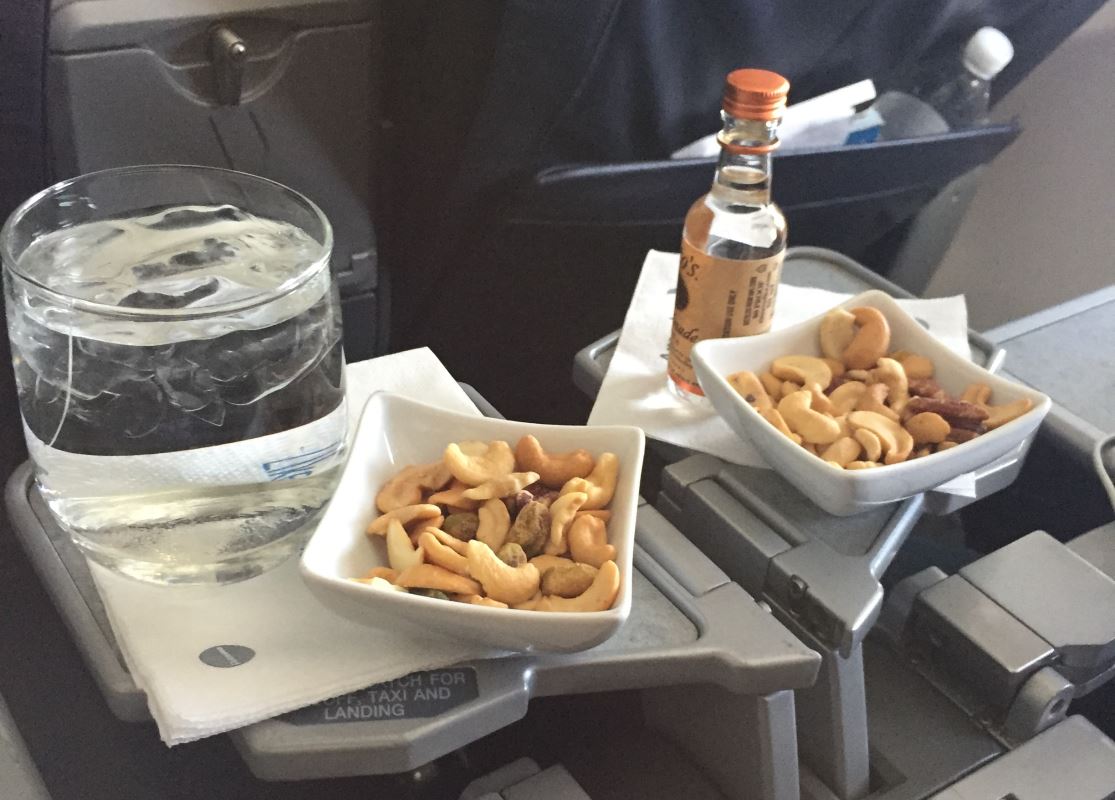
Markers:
point(689, 624)
point(778, 546)
point(1085, 770)
point(1065, 351)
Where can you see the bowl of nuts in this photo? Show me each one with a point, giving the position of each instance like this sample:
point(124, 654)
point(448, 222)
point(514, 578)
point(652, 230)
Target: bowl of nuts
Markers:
point(861, 406)
point(515, 535)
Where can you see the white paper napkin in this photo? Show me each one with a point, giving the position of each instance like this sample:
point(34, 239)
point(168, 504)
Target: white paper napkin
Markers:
point(301, 652)
point(634, 390)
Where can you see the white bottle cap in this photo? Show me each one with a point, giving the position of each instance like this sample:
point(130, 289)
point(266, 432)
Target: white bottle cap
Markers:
point(987, 52)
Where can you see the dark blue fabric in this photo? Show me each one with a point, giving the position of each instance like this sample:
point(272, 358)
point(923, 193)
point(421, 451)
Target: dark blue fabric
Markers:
point(655, 83)
point(608, 81)
point(23, 167)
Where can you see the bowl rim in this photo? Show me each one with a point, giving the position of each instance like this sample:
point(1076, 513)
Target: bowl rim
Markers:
point(361, 591)
point(889, 306)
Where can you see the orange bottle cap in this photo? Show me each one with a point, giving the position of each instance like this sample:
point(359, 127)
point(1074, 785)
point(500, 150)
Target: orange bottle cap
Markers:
point(755, 94)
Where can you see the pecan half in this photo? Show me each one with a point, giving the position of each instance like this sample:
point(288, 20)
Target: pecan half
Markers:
point(927, 387)
point(956, 412)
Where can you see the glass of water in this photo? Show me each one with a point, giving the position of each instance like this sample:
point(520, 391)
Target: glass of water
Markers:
point(176, 339)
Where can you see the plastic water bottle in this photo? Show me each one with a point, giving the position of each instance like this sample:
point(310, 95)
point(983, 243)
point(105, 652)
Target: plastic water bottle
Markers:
point(952, 98)
point(964, 101)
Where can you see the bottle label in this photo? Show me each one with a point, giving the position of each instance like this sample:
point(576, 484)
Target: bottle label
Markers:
point(718, 298)
point(300, 452)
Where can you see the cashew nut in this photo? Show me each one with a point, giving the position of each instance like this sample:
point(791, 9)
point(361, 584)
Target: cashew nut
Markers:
point(401, 552)
point(916, 367)
point(772, 385)
point(821, 400)
point(862, 375)
point(838, 329)
point(750, 388)
point(600, 484)
point(419, 524)
point(803, 369)
point(469, 464)
point(978, 393)
point(890, 373)
point(553, 469)
point(946, 445)
point(381, 584)
point(405, 489)
point(431, 576)
point(928, 428)
point(872, 447)
point(789, 387)
point(843, 451)
point(774, 418)
point(588, 542)
point(502, 486)
point(452, 542)
point(509, 585)
point(812, 426)
point(562, 512)
point(386, 573)
point(862, 465)
point(452, 496)
point(896, 441)
point(871, 340)
point(568, 581)
point(602, 513)
point(836, 365)
point(845, 396)
point(598, 597)
point(873, 399)
point(404, 515)
point(1001, 415)
point(441, 554)
point(530, 604)
point(495, 522)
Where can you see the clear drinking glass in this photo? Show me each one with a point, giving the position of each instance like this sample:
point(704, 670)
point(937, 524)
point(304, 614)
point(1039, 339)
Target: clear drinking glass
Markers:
point(176, 340)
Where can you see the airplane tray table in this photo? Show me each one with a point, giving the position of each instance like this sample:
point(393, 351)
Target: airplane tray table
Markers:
point(1066, 350)
point(822, 577)
point(689, 625)
point(827, 269)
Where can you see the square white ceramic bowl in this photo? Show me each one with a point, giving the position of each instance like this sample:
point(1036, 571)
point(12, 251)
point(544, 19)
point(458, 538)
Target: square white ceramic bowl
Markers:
point(846, 492)
point(395, 431)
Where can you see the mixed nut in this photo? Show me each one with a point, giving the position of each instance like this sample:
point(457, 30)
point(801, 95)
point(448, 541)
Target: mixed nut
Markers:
point(509, 528)
point(860, 406)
